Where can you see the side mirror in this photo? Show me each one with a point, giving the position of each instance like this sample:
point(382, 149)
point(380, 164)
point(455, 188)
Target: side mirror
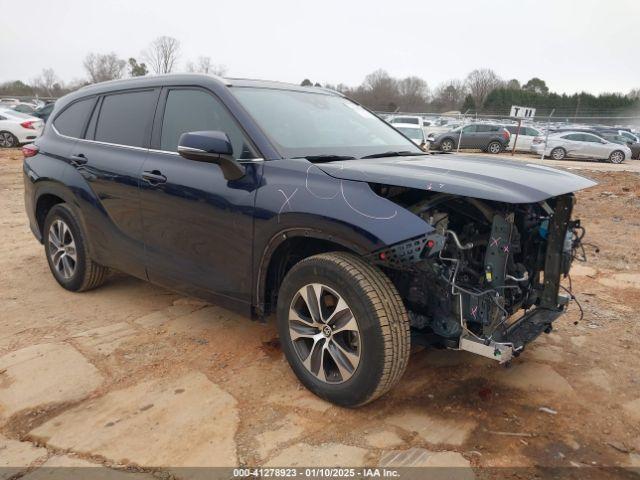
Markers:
point(211, 147)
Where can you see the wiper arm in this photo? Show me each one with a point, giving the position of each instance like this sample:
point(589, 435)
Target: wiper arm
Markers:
point(403, 153)
point(327, 158)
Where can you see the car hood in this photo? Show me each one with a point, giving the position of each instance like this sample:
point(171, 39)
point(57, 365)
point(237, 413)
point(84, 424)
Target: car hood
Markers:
point(469, 176)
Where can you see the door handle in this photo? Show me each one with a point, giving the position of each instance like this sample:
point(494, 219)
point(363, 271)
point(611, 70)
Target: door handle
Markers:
point(154, 177)
point(77, 160)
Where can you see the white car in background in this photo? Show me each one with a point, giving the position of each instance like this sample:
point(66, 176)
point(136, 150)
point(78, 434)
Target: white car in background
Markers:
point(17, 128)
point(410, 119)
point(525, 137)
point(580, 145)
point(414, 132)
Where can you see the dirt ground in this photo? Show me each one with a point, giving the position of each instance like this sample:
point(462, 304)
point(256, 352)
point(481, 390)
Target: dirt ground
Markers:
point(134, 378)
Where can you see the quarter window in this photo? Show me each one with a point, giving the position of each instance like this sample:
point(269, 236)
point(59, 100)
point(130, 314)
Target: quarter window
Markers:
point(125, 117)
point(189, 110)
point(72, 120)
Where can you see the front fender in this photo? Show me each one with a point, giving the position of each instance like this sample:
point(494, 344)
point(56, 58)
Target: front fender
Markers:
point(297, 198)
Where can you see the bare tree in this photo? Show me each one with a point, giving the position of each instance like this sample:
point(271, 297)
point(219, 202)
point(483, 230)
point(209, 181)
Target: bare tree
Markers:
point(102, 67)
point(413, 94)
point(162, 54)
point(480, 83)
point(206, 65)
point(379, 91)
point(449, 95)
point(46, 82)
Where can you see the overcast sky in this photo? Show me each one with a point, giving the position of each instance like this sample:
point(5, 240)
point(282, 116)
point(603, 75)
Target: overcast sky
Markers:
point(590, 45)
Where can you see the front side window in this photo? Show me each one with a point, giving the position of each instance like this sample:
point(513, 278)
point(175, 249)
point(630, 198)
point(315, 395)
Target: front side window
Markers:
point(125, 118)
point(317, 123)
point(576, 137)
point(189, 110)
point(591, 138)
point(72, 120)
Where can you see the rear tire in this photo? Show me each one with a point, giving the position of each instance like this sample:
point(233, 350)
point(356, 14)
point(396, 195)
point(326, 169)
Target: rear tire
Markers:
point(447, 145)
point(354, 298)
point(67, 254)
point(8, 140)
point(616, 156)
point(494, 147)
point(558, 153)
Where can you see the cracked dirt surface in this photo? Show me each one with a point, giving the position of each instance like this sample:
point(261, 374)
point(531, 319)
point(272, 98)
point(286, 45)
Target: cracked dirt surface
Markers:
point(131, 376)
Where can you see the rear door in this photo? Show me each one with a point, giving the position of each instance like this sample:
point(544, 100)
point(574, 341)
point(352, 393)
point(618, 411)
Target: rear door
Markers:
point(484, 134)
point(198, 226)
point(573, 144)
point(110, 159)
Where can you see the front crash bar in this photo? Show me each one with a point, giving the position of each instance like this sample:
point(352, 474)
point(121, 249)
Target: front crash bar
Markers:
point(518, 334)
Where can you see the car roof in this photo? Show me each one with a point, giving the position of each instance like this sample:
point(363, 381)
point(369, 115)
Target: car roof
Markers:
point(407, 125)
point(213, 82)
point(595, 134)
point(182, 78)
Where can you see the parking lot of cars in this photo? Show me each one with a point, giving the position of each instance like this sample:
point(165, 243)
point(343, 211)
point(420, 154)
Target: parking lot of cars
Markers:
point(559, 141)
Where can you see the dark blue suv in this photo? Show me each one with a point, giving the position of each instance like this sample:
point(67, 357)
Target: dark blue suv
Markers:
point(274, 198)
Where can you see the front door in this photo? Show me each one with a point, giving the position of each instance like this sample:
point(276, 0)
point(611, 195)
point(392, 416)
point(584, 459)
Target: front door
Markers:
point(468, 137)
point(198, 226)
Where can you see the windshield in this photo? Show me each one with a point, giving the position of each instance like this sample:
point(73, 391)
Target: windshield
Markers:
point(308, 124)
point(412, 133)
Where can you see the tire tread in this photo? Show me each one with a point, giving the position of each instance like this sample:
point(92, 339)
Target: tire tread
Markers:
point(387, 306)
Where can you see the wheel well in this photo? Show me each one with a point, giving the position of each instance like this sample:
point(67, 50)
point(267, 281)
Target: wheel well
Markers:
point(44, 205)
point(285, 256)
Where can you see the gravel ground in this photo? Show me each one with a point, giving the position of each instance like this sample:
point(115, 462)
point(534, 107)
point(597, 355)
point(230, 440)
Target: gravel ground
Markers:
point(134, 378)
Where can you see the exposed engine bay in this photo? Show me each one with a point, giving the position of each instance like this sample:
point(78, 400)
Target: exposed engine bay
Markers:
point(479, 264)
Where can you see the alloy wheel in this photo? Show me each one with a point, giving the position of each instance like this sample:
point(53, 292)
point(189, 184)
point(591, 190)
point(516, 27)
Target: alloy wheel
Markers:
point(494, 148)
point(6, 140)
point(617, 157)
point(62, 249)
point(324, 333)
point(447, 146)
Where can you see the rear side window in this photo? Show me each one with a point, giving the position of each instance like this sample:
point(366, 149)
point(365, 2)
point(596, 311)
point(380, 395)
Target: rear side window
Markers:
point(125, 117)
point(189, 110)
point(72, 120)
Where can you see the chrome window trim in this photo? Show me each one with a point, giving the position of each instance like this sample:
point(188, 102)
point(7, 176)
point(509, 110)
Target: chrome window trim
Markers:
point(242, 160)
point(166, 152)
point(132, 147)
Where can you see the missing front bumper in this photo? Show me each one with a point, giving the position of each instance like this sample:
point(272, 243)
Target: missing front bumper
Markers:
point(521, 332)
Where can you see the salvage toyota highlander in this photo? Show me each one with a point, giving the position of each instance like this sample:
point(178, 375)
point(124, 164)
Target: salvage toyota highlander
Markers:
point(274, 198)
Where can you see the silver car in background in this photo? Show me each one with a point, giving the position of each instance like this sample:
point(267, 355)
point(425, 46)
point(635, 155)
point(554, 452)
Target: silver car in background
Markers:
point(580, 145)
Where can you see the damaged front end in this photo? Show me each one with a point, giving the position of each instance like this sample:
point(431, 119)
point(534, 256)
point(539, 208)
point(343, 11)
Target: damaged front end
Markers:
point(486, 275)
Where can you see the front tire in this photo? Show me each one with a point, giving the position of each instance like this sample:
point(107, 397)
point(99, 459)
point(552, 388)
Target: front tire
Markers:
point(558, 153)
point(616, 156)
point(447, 145)
point(343, 328)
point(66, 251)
